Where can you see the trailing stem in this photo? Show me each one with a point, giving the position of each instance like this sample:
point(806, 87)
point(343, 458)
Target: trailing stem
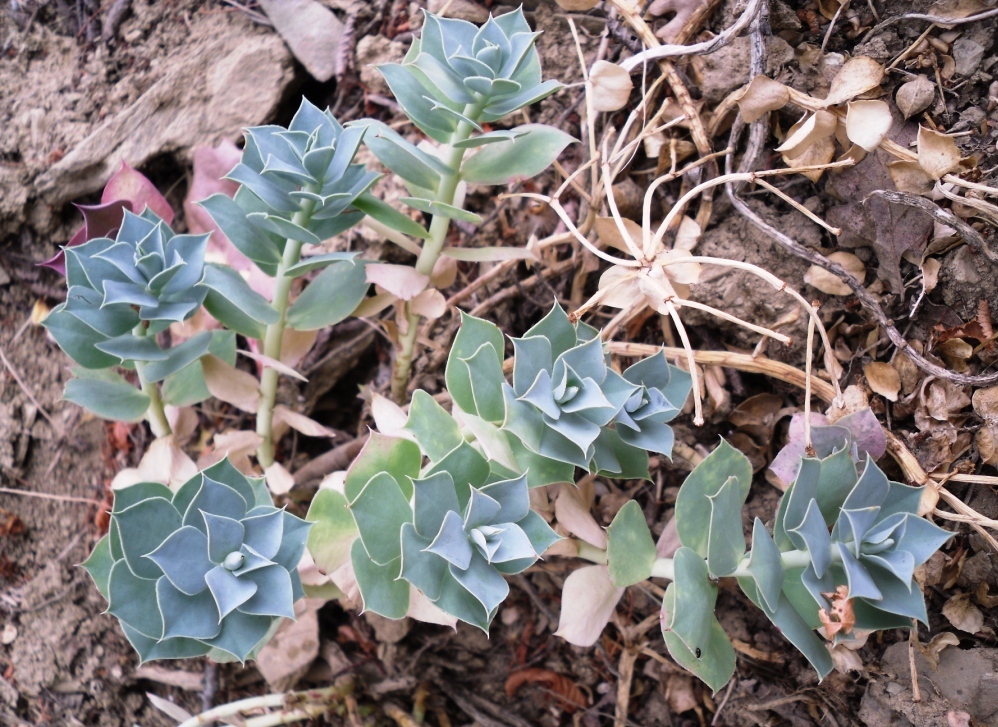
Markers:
point(155, 414)
point(275, 334)
point(295, 706)
point(430, 252)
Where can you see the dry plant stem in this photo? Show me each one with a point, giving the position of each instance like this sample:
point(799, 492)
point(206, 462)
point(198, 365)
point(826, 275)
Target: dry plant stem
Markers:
point(938, 19)
point(690, 360)
point(807, 387)
point(275, 334)
point(974, 239)
point(798, 206)
point(758, 134)
point(740, 361)
point(320, 699)
point(631, 14)
point(46, 496)
point(430, 252)
point(155, 415)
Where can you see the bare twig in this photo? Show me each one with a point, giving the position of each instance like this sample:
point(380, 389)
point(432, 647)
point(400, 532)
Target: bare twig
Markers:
point(27, 392)
point(974, 239)
point(708, 46)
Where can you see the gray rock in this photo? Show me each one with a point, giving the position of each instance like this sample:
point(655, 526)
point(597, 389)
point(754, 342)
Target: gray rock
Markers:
point(968, 55)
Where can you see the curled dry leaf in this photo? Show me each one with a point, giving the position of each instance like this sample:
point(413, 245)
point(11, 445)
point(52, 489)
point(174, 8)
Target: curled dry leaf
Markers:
point(821, 152)
point(807, 131)
point(939, 642)
point(760, 97)
point(986, 404)
point(268, 363)
point(867, 123)
point(908, 176)
point(883, 379)
point(842, 617)
point(164, 462)
point(857, 75)
point(570, 697)
point(915, 96)
point(937, 153)
point(963, 614)
point(830, 283)
point(611, 86)
point(237, 445)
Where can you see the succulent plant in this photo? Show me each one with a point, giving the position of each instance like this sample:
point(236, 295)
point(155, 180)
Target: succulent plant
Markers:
point(208, 569)
point(457, 72)
point(145, 276)
point(299, 186)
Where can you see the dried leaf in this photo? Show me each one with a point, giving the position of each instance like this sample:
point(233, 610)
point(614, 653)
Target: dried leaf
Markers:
point(680, 695)
point(857, 75)
point(910, 177)
point(231, 385)
point(883, 379)
point(830, 283)
point(300, 422)
point(402, 281)
point(588, 600)
point(279, 480)
point(268, 363)
point(611, 86)
point(938, 154)
point(842, 617)
point(867, 123)
point(430, 304)
point(389, 417)
point(688, 234)
point(807, 131)
point(570, 697)
point(164, 462)
point(761, 96)
point(939, 642)
point(609, 234)
point(963, 614)
point(987, 444)
point(577, 6)
point(821, 152)
point(572, 510)
point(986, 403)
point(286, 657)
point(171, 710)
point(915, 96)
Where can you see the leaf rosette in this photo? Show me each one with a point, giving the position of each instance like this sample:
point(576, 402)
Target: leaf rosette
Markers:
point(457, 72)
point(210, 569)
point(451, 529)
point(146, 275)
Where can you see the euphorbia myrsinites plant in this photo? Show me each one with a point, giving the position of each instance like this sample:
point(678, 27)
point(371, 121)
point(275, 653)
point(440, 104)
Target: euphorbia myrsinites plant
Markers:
point(435, 512)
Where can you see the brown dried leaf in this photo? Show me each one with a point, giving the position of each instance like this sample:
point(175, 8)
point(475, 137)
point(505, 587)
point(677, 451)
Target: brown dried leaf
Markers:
point(938, 154)
point(883, 379)
point(963, 614)
point(577, 6)
point(570, 697)
point(857, 75)
point(987, 444)
point(910, 177)
point(986, 403)
point(231, 385)
point(807, 131)
point(821, 152)
point(761, 96)
point(867, 123)
point(935, 647)
point(915, 96)
point(830, 283)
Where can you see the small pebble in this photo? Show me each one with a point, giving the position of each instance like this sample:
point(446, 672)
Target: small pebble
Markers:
point(8, 635)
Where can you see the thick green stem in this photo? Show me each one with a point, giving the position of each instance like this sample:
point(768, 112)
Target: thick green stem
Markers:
point(275, 334)
point(155, 414)
point(664, 567)
point(430, 252)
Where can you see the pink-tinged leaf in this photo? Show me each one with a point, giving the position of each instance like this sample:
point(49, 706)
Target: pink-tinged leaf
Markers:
point(786, 464)
point(183, 421)
point(866, 432)
point(295, 344)
point(133, 186)
point(444, 273)
point(231, 385)
point(401, 280)
point(429, 304)
point(300, 423)
point(279, 480)
point(374, 305)
point(268, 363)
point(164, 462)
point(99, 220)
point(668, 542)
point(211, 164)
point(346, 580)
point(588, 601)
point(237, 446)
point(572, 509)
